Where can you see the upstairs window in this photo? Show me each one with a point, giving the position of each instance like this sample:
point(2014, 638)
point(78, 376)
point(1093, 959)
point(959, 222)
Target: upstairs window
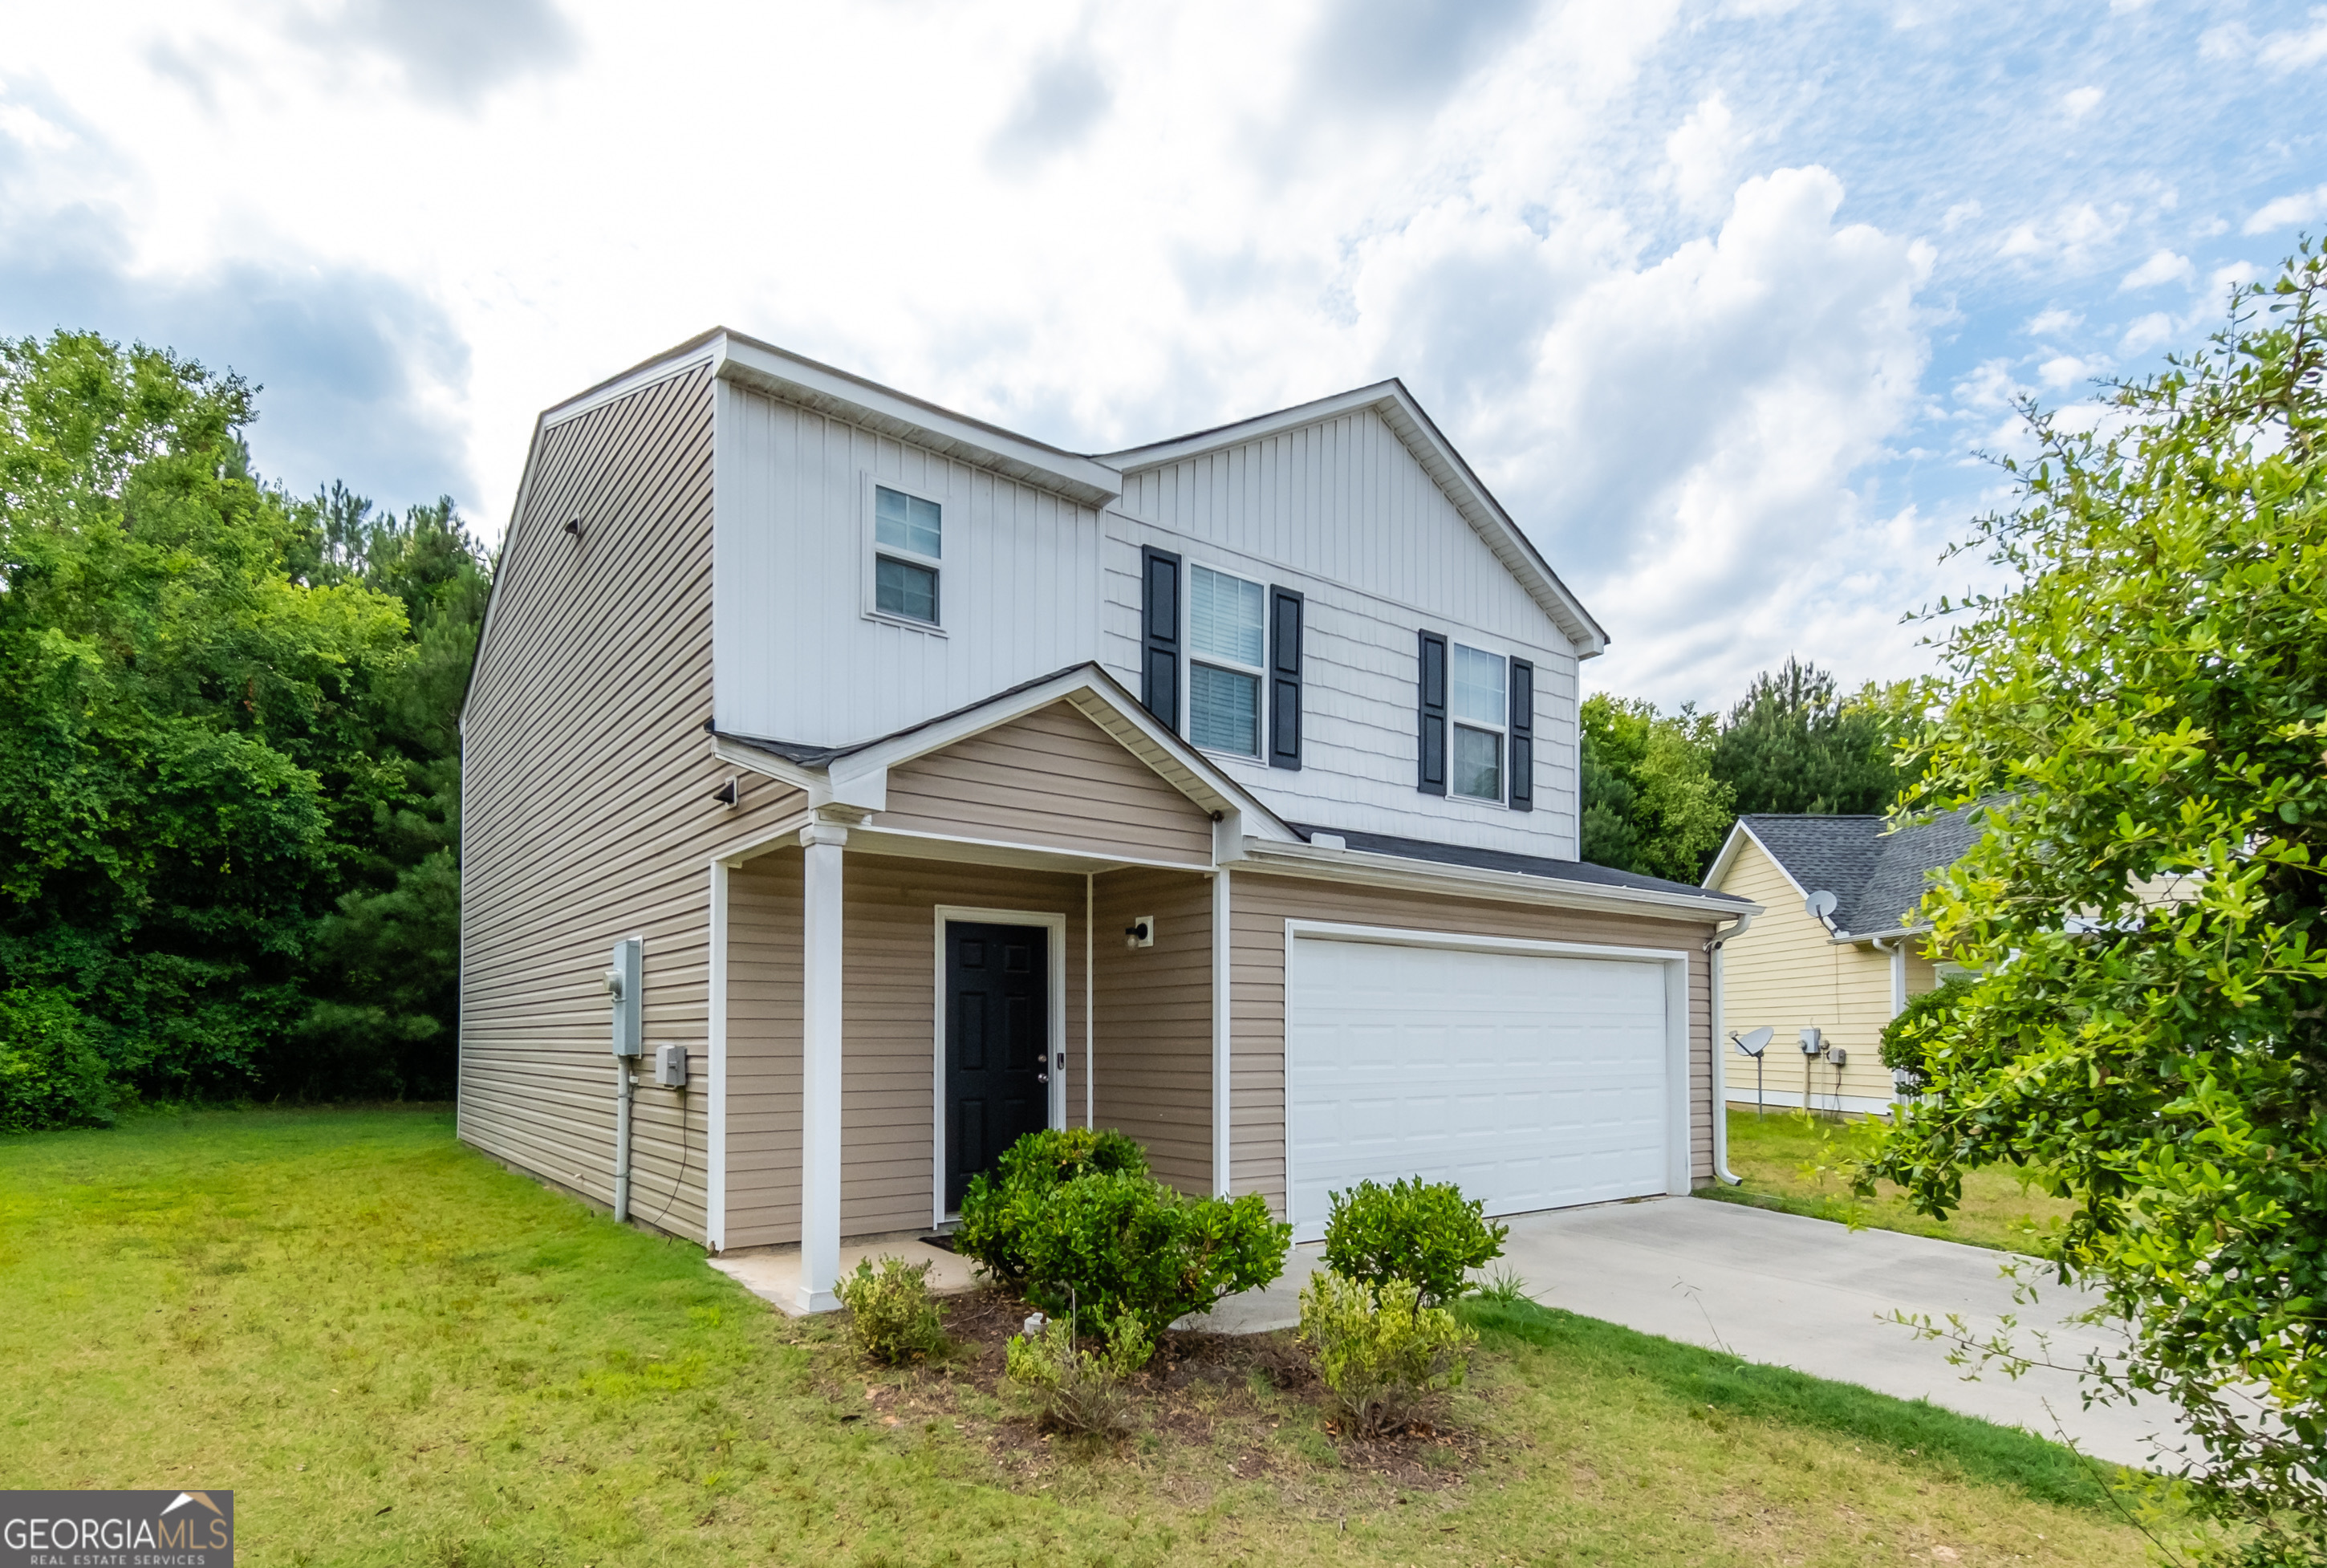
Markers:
point(1481, 713)
point(1228, 647)
point(908, 543)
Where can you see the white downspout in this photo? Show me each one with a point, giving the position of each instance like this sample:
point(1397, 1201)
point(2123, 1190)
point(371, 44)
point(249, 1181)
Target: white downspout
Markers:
point(1721, 1060)
point(1091, 1049)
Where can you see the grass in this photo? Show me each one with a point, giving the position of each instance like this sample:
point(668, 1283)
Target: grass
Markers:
point(395, 1352)
point(1792, 1162)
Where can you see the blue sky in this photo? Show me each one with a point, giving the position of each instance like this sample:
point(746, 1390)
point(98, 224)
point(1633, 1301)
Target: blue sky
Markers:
point(1722, 299)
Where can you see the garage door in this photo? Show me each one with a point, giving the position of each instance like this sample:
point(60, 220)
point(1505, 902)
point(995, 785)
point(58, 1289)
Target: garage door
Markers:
point(1534, 1080)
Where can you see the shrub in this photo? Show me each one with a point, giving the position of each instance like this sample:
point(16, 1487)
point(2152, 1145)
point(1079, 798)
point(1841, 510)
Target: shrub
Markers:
point(1108, 1247)
point(1908, 1038)
point(890, 1312)
point(1424, 1233)
point(50, 1076)
point(996, 1209)
point(1386, 1358)
point(1079, 1390)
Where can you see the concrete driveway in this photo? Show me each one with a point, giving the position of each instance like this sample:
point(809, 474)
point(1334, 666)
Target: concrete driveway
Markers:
point(1790, 1291)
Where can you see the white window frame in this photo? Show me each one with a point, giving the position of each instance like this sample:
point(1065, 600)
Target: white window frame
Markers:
point(1501, 729)
point(1192, 659)
point(870, 551)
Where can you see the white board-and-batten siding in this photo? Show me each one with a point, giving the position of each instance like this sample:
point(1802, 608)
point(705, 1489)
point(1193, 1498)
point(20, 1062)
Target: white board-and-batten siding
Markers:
point(586, 814)
point(1340, 511)
point(799, 659)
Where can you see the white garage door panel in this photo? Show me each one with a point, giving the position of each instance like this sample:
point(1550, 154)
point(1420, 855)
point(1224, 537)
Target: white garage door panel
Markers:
point(1534, 1081)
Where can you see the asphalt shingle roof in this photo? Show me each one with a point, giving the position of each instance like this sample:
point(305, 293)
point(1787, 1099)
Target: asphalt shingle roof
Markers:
point(1875, 876)
point(1570, 870)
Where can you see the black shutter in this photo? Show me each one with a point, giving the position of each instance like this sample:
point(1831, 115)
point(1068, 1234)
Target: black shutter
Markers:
point(1159, 631)
point(1522, 735)
point(1430, 770)
point(1284, 607)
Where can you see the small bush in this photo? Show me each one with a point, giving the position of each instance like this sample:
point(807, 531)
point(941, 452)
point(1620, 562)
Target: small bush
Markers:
point(890, 1312)
point(50, 1076)
point(1111, 1248)
point(1908, 1038)
point(1424, 1233)
point(1504, 1288)
point(1078, 1390)
point(1387, 1360)
point(996, 1209)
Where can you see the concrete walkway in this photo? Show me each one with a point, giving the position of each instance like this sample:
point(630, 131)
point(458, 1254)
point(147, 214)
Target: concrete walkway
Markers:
point(1790, 1291)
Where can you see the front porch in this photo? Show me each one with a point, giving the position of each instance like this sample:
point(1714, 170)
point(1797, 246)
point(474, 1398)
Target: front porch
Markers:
point(873, 1061)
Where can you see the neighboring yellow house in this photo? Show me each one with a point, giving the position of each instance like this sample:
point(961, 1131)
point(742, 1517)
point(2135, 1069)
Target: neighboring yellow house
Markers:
point(1846, 973)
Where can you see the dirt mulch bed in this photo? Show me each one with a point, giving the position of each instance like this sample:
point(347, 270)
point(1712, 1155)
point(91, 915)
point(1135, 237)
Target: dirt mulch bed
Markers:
point(1249, 1400)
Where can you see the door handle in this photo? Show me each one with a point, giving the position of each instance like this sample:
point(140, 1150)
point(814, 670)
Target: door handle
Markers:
point(1042, 1078)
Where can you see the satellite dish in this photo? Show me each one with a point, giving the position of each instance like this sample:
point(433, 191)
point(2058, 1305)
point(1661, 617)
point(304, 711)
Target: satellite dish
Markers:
point(1755, 1043)
point(1821, 904)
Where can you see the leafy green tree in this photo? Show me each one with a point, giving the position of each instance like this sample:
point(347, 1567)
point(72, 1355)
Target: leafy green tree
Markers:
point(229, 765)
point(2147, 706)
point(1793, 743)
point(181, 721)
point(1651, 803)
point(385, 961)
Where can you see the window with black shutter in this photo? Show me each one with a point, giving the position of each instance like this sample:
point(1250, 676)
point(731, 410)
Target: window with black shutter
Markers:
point(1430, 760)
point(1285, 611)
point(1159, 617)
point(1522, 735)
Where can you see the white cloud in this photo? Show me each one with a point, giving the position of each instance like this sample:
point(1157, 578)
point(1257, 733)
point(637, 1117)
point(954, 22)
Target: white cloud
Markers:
point(2051, 323)
point(1701, 153)
point(2302, 207)
point(2081, 101)
point(2066, 238)
point(2068, 370)
point(23, 124)
point(2147, 333)
point(2162, 267)
point(1962, 213)
point(2220, 281)
point(2293, 51)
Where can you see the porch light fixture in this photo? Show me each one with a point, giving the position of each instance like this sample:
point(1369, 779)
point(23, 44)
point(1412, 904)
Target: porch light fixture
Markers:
point(1141, 932)
point(730, 792)
point(574, 524)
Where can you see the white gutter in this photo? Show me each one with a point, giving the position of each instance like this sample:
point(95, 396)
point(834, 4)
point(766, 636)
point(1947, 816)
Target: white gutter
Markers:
point(1721, 1169)
point(1400, 871)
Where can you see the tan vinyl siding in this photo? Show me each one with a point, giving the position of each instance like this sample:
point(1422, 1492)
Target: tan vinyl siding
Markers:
point(1260, 904)
point(1053, 779)
point(1784, 972)
point(889, 1025)
point(586, 816)
point(1155, 1013)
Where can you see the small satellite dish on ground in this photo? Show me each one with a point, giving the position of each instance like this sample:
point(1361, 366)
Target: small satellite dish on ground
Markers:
point(1753, 1043)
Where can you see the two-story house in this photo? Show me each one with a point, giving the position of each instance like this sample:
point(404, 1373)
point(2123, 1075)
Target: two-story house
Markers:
point(923, 784)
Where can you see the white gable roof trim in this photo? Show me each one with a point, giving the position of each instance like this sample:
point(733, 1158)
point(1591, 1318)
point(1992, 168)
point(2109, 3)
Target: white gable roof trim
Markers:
point(1437, 457)
point(858, 776)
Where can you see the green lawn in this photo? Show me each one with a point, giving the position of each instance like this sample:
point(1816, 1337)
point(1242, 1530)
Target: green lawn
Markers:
point(395, 1352)
point(1793, 1162)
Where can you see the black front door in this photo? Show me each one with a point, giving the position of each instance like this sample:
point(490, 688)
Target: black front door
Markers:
point(997, 1043)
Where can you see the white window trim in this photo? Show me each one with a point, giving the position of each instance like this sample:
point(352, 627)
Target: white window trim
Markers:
point(1054, 921)
point(1192, 659)
point(870, 550)
point(1501, 729)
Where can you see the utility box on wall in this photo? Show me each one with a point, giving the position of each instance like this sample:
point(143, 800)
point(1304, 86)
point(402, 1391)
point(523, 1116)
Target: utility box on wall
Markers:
point(670, 1067)
point(625, 990)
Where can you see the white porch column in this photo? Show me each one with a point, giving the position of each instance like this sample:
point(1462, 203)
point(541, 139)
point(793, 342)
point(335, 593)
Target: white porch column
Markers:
point(1223, 1167)
point(1898, 977)
point(820, 952)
